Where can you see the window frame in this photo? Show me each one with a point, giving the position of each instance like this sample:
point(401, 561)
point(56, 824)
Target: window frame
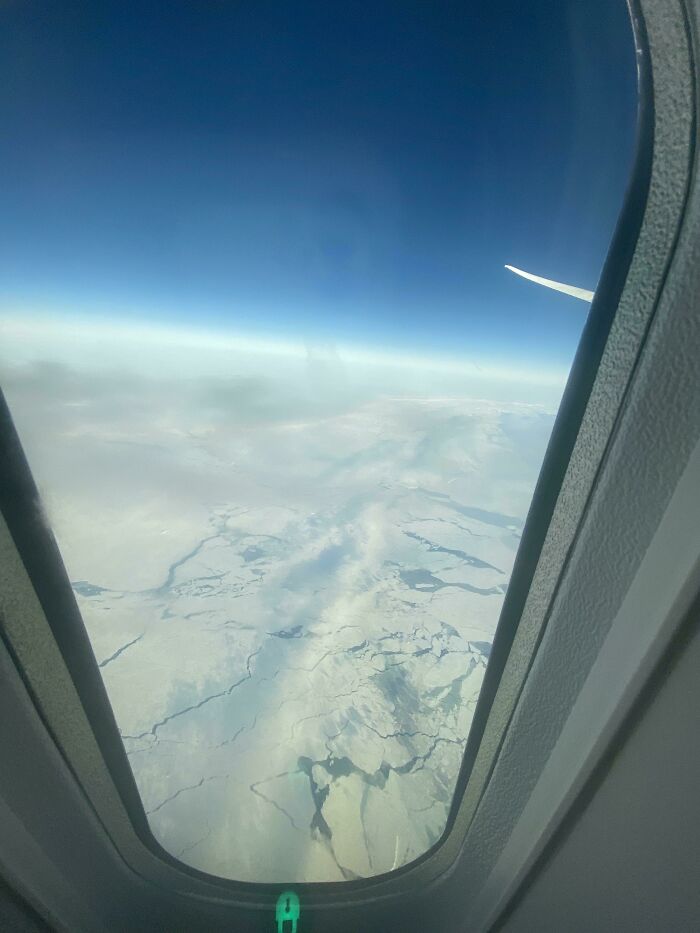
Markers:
point(113, 795)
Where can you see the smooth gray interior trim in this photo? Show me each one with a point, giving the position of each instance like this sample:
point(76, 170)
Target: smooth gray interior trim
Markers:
point(24, 861)
point(655, 605)
point(629, 861)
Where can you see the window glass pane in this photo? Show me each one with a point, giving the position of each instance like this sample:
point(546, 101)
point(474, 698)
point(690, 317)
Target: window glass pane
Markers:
point(285, 405)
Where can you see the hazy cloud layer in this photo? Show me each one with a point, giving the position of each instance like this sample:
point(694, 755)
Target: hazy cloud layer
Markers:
point(291, 574)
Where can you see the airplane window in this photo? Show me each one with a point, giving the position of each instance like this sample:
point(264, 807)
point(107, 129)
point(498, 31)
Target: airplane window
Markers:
point(284, 325)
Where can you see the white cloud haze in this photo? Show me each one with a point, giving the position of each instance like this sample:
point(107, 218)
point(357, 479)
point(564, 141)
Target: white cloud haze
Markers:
point(290, 561)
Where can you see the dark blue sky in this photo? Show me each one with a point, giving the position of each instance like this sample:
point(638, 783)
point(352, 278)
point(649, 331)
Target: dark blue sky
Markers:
point(349, 171)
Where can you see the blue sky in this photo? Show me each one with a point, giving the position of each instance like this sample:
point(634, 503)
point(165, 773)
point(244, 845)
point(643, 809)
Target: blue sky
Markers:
point(323, 171)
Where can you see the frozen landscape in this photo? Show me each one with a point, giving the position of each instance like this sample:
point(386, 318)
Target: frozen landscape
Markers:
point(290, 565)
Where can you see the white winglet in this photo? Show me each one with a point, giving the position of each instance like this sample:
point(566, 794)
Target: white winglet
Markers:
point(581, 293)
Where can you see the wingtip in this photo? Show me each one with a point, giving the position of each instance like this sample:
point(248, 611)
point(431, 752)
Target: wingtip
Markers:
point(582, 293)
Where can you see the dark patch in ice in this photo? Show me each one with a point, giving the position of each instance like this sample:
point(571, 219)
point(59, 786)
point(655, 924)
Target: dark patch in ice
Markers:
point(426, 582)
point(462, 555)
point(172, 570)
point(481, 515)
point(113, 657)
point(319, 795)
point(294, 632)
point(483, 647)
point(83, 588)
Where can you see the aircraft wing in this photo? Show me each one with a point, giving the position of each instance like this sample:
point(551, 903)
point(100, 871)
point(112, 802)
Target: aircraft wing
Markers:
point(581, 293)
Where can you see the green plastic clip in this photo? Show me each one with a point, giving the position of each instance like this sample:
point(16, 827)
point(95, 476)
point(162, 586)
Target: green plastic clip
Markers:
point(288, 908)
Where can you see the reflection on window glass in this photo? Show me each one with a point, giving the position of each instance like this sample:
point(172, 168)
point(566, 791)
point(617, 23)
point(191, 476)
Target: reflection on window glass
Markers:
point(285, 405)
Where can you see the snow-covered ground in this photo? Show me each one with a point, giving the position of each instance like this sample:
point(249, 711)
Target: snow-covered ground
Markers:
point(291, 589)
